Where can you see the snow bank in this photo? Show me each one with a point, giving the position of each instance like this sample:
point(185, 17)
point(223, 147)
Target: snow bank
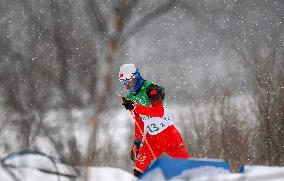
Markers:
point(252, 173)
point(32, 167)
point(35, 167)
point(110, 174)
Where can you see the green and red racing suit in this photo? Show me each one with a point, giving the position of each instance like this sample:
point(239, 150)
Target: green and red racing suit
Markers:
point(154, 125)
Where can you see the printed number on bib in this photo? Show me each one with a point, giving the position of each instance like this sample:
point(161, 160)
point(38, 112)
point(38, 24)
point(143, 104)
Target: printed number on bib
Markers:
point(155, 127)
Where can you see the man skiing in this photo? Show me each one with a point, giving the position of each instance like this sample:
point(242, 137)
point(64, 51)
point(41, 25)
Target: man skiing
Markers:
point(155, 132)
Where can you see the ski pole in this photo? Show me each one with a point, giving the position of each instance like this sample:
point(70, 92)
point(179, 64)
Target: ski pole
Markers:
point(140, 130)
point(144, 136)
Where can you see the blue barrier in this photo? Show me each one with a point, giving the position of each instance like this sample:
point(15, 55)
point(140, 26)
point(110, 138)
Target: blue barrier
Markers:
point(172, 167)
point(242, 169)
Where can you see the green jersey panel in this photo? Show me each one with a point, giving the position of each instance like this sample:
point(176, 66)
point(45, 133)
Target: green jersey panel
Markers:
point(141, 98)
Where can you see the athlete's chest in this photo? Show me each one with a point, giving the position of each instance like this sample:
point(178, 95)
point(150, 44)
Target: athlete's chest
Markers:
point(141, 98)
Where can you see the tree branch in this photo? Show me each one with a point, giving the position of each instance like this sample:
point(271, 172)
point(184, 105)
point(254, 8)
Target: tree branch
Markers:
point(100, 23)
point(156, 13)
point(129, 10)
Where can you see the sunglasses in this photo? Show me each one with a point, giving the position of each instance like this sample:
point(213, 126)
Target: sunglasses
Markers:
point(125, 81)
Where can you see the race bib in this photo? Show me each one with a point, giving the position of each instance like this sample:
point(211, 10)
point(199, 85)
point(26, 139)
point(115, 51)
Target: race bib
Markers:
point(155, 125)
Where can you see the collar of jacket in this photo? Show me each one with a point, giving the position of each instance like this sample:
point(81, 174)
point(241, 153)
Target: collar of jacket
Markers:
point(139, 81)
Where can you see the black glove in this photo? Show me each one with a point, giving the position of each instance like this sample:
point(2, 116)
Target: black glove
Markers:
point(128, 104)
point(135, 150)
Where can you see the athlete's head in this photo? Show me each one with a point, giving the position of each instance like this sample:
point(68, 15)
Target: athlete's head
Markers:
point(127, 75)
point(130, 76)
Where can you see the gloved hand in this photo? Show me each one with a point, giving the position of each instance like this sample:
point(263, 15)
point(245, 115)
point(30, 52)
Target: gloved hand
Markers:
point(135, 150)
point(128, 104)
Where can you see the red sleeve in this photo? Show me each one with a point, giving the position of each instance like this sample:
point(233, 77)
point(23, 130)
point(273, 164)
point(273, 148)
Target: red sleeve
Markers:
point(149, 111)
point(139, 127)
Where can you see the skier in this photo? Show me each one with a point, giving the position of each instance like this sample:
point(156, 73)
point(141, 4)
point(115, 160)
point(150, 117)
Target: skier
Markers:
point(154, 132)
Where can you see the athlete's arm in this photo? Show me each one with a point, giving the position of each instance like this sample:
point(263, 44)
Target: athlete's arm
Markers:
point(149, 111)
point(156, 95)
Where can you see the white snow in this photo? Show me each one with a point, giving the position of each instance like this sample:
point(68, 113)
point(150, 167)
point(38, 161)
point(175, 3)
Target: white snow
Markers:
point(156, 174)
point(110, 174)
point(206, 171)
point(95, 174)
point(28, 168)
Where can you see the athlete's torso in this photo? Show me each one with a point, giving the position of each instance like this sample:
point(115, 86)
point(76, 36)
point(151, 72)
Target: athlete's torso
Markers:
point(153, 125)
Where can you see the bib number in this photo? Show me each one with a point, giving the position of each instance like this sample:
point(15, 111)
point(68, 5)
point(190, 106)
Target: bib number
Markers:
point(155, 127)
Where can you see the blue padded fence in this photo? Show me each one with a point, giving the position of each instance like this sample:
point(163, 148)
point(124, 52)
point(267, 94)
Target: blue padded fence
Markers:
point(172, 167)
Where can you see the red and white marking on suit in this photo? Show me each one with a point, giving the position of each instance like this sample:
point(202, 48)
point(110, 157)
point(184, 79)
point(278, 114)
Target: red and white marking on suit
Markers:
point(161, 134)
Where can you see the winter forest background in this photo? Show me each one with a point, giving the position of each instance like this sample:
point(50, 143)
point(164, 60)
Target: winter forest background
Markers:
point(221, 63)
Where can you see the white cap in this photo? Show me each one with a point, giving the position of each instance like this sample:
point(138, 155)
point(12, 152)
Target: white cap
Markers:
point(126, 71)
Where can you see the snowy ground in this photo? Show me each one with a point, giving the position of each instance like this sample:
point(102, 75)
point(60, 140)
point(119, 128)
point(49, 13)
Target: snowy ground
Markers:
point(116, 127)
point(36, 167)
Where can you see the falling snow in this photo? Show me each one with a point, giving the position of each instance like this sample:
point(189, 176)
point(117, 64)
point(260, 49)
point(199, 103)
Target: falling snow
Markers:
point(220, 62)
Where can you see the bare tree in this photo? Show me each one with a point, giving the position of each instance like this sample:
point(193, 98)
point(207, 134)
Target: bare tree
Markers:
point(114, 37)
point(259, 45)
point(41, 72)
point(264, 72)
point(235, 137)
